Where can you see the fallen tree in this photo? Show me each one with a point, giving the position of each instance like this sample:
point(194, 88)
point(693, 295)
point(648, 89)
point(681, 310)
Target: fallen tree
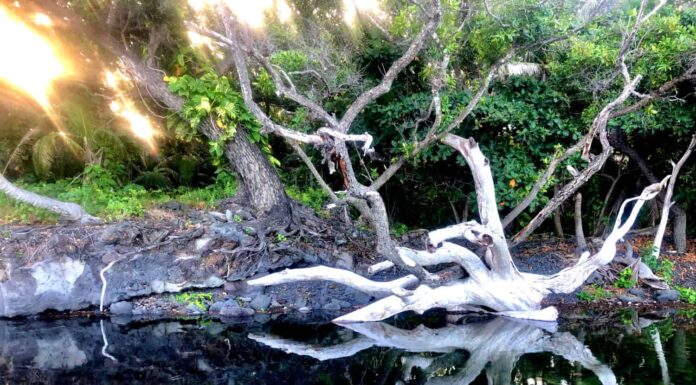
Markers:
point(67, 210)
point(493, 283)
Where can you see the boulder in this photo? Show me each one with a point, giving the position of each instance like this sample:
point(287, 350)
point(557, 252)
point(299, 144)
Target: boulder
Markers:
point(663, 296)
point(260, 302)
point(231, 309)
point(121, 308)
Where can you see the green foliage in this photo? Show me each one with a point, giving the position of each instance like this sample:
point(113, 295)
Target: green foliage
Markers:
point(101, 195)
point(212, 97)
point(312, 197)
point(662, 267)
point(593, 293)
point(625, 280)
point(198, 299)
point(687, 295)
point(398, 229)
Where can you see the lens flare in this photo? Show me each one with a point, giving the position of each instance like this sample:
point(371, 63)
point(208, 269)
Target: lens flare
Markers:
point(351, 8)
point(252, 13)
point(42, 20)
point(29, 61)
point(123, 107)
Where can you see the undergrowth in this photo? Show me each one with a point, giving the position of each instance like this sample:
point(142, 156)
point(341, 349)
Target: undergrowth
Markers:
point(100, 195)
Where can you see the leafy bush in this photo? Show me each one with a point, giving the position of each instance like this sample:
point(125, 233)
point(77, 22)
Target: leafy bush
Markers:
point(200, 300)
point(102, 196)
point(625, 280)
point(687, 294)
point(398, 229)
point(312, 197)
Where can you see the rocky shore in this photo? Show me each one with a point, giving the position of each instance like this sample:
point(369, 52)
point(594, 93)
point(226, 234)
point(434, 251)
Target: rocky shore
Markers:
point(179, 261)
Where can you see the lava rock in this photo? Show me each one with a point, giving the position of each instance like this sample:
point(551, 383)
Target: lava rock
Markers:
point(667, 296)
point(627, 298)
point(121, 308)
point(193, 309)
point(260, 302)
point(122, 234)
point(300, 302)
point(595, 278)
point(637, 292)
point(216, 307)
point(344, 261)
point(232, 309)
point(333, 305)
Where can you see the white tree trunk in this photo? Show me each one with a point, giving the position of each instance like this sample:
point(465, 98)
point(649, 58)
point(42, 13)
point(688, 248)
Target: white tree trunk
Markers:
point(493, 284)
point(667, 205)
point(69, 211)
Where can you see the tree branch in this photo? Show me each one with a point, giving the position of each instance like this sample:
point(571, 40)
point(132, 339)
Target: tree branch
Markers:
point(344, 277)
point(384, 86)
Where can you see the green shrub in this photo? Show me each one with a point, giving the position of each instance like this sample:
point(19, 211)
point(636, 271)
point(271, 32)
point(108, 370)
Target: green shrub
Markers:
point(311, 197)
point(101, 195)
point(687, 294)
point(625, 280)
point(200, 300)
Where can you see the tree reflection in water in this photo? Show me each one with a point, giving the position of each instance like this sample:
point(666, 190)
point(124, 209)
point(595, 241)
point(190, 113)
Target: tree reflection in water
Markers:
point(494, 346)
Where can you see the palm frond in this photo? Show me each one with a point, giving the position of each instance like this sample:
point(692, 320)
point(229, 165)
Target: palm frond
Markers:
point(43, 154)
point(71, 147)
point(21, 147)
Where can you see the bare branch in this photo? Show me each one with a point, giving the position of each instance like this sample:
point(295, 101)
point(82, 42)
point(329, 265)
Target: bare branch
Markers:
point(569, 279)
point(343, 277)
point(308, 162)
point(657, 243)
point(596, 163)
point(384, 86)
point(550, 169)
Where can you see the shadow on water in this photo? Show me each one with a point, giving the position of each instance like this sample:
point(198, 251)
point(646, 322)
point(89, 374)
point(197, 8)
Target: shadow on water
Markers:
point(286, 351)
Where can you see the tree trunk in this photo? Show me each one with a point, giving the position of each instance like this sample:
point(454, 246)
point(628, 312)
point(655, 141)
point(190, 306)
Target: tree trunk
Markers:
point(69, 211)
point(579, 233)
point(494, 286)
point(260, 185)
point(657, 244)
point(618, 140)
point(557, 223)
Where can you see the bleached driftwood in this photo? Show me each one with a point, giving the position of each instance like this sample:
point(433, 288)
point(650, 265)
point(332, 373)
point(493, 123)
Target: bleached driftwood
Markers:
point(493, 284)
point(657, 244)
point(494, 347)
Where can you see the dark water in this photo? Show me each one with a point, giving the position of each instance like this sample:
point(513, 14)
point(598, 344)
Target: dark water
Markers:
point(290, 351)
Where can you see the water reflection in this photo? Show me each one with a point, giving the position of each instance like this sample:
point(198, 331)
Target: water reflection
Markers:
point(494, 347)
point(290, 351)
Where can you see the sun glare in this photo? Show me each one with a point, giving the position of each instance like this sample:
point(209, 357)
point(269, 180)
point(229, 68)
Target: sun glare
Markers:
point(252, 13)
point(351, 8)
point(42, 20)
point(29, 61)
point(123, 107)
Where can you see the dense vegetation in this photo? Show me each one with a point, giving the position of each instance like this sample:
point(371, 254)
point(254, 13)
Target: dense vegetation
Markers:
point(521, 123)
